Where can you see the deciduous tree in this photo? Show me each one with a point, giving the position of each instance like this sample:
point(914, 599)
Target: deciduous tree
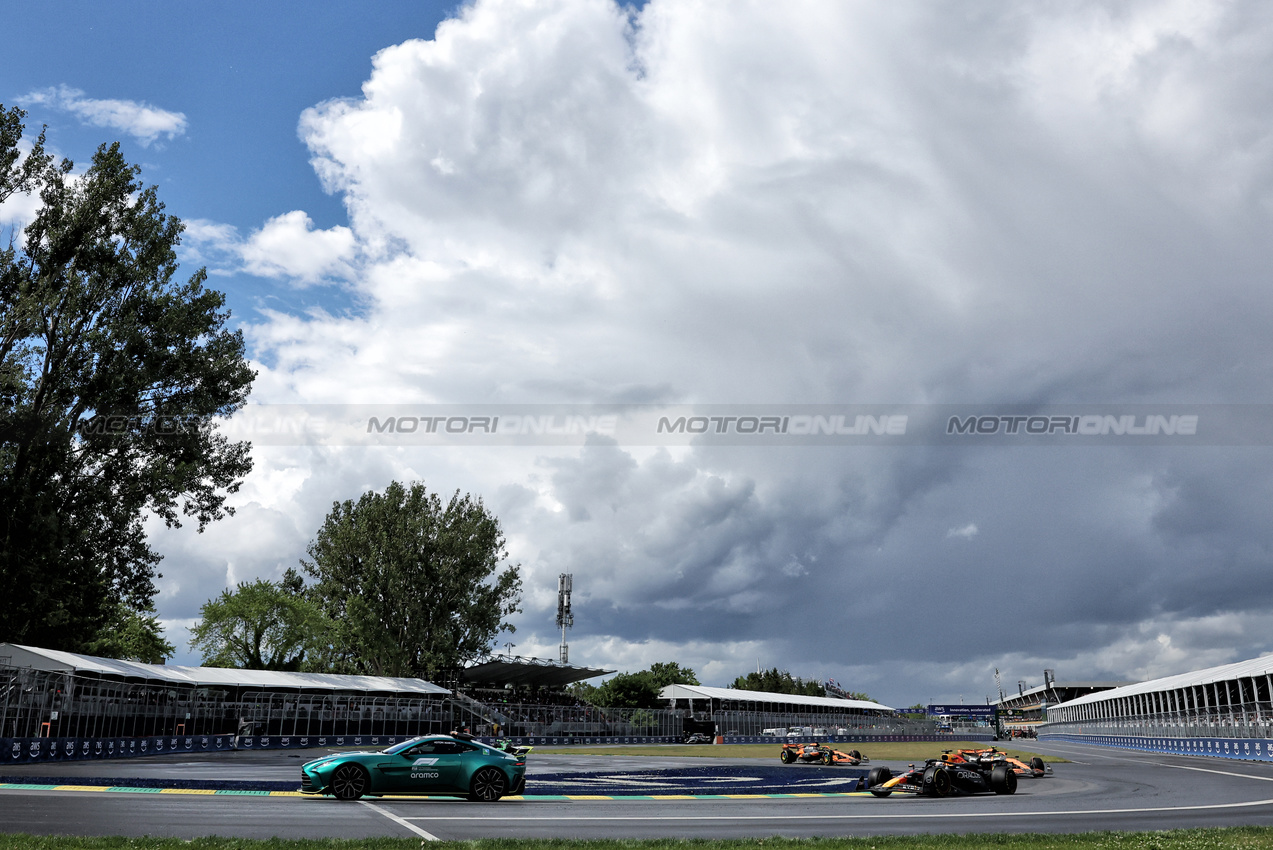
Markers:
point(112, 375)
point(777, 681)
point(413, 586)
point(133, 635)
point(261, 625)
point(664, 673)
point(635, 690)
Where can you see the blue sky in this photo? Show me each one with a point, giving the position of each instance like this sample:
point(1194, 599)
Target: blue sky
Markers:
point(569, 202)
point(240, 72)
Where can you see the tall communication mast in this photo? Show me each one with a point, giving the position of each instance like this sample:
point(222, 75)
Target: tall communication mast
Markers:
point(565, 619)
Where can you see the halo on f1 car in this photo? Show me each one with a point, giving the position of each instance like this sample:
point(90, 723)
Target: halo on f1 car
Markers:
point(937, 778)
point(814, 753)
point(1036, 768)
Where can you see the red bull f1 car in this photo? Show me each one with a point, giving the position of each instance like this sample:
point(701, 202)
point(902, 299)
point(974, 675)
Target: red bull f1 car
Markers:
point(939, 778)
point(820, 754)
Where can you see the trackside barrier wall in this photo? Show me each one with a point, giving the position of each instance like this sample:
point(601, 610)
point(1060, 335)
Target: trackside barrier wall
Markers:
point(28, 750)
point(1258, 749)
point(24, 750)
point(534, 741)
point(854, 739)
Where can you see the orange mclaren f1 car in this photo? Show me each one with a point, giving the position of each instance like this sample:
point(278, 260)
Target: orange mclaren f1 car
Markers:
point(991, 756)
point(820, 754)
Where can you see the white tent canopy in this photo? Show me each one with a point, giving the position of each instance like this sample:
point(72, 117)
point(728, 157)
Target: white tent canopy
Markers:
point(53, 660)
point(701, 692)
point(1255, 667)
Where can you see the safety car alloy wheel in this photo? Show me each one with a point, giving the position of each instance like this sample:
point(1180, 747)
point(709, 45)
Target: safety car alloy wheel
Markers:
point(349, 782)
point(487, 785)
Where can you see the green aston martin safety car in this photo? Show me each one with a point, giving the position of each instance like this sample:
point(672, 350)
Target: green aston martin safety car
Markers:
point(441, 765)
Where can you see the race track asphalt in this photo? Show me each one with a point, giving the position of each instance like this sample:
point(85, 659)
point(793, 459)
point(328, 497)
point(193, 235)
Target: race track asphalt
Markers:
point(1100, 789)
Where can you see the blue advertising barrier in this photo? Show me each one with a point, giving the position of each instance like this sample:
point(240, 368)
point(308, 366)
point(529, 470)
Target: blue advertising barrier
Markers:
point(540, 741)
point(852, 739)
point(26, 750)
point(1258, 749)
point(566, 740)
point(301, 742)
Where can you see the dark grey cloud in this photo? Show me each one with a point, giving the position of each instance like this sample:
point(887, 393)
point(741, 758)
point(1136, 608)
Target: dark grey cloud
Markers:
point(912, 204)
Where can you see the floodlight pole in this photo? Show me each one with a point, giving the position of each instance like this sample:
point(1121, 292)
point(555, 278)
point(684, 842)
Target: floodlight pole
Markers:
point(565, 619)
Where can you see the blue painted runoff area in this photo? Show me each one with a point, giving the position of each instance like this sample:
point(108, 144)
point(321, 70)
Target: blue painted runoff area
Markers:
point(705, 781)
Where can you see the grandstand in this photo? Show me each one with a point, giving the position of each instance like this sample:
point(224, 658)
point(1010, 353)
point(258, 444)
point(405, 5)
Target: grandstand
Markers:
point(1228, 701)
point(57, 704)
point(746, 713)
point(46, 693)
point(1028, 707)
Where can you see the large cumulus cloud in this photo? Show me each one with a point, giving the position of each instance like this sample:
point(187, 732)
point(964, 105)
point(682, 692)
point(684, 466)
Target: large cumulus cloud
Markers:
point(809, 203)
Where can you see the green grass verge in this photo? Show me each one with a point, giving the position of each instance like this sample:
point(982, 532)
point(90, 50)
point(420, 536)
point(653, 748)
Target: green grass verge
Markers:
point(883, 751)
point(1233, 838)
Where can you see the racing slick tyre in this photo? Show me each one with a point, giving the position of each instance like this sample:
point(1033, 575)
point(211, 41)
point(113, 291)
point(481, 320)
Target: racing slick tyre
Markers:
point(937, 781)
point(488, 785)
point(787, 756)
point(855, 754)
point(1003, 779)
point(878, 776)
point(827, 758)
point(350, 781)
point(1036, 764)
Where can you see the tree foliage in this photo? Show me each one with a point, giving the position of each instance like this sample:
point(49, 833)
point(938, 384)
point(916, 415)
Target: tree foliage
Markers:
point(412, 586)
point(261, 625)
point(628, 690)
point(133, 635)
point(664, 673)
point(635, 690)
point(111, 377)
point(777, 681)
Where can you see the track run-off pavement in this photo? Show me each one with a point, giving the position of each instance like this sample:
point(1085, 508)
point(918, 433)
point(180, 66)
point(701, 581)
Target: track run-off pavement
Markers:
point(633, 797)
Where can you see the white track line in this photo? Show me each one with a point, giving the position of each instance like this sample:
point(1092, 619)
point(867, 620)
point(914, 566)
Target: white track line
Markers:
point(916, 816)
point(1220, 772)
point(427, 836)
point(1157, 762)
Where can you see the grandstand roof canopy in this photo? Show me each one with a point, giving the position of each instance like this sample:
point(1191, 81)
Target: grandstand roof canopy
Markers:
point(703, 692)
point(1061, 690)
point(1262, 666)
point(535, 672)
point(53, 660)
